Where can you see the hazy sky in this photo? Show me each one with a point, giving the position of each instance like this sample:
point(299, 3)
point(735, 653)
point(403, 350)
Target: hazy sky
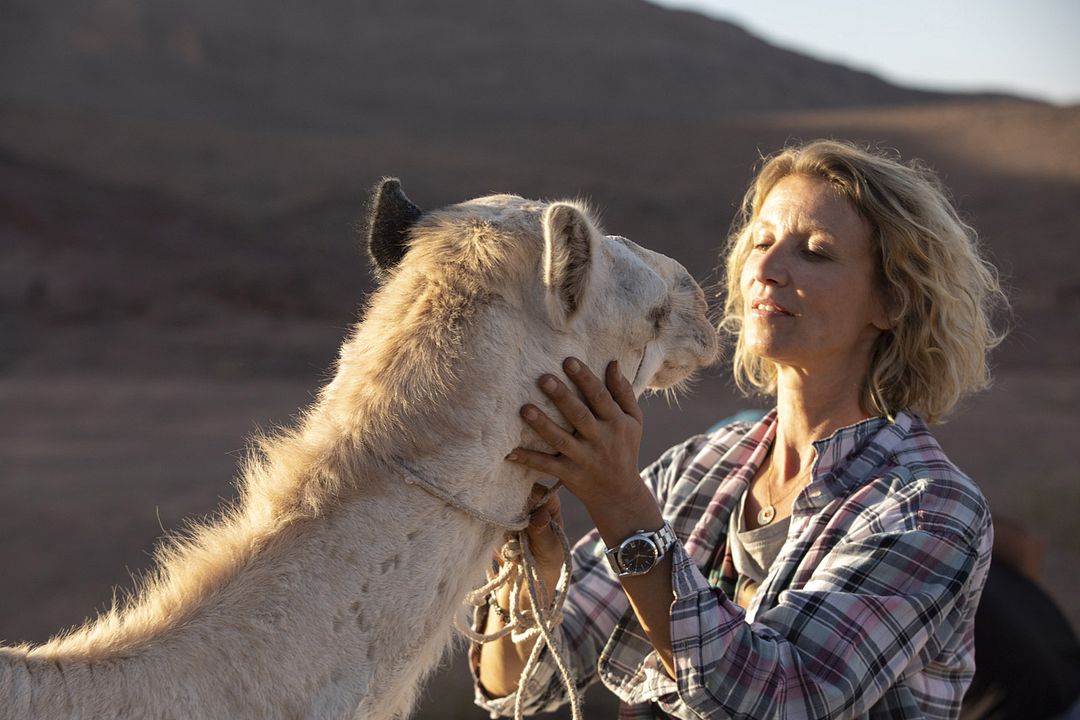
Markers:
point(1030, 47)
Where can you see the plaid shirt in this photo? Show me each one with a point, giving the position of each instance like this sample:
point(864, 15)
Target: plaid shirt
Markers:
point(866, 613)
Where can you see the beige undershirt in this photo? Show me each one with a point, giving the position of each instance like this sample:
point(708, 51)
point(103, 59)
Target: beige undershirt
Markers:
point(753, 551)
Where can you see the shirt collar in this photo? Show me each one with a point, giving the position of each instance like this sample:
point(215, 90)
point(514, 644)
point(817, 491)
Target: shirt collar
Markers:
point(844, 459)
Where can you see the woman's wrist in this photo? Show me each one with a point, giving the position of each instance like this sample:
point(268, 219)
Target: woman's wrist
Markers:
point(616, 518)
point(496, 607)
point(499, 599)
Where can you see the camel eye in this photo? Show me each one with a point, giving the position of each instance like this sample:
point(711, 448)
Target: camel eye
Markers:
point(659, 315)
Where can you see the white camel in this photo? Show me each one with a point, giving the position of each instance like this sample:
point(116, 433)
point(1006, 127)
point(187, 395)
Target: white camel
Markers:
point(329, 588)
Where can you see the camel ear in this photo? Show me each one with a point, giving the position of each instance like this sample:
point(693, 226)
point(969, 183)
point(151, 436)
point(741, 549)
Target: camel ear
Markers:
point(569, 246)
point(390, 215)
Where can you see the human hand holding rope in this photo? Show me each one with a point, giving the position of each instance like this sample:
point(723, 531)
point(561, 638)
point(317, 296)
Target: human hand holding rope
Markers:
point(545, 524)
point(534, 604)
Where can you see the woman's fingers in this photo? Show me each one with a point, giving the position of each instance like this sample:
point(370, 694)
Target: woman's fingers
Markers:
point(577, 413)
point(592, 389)
point(622, 392)
point(548, 464)
point(543, 541)
point(584, 417)
point(561, 441)
point(537, 491)
point(542, 514)
point(599, 441)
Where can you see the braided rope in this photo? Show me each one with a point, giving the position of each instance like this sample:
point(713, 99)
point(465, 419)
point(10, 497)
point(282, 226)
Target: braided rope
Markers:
point(519, 571)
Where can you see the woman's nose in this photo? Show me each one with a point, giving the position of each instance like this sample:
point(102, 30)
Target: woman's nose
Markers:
point(770, 266)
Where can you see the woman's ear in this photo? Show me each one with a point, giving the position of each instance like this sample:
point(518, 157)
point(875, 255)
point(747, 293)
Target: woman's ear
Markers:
point(570, 242)
point(889, 306)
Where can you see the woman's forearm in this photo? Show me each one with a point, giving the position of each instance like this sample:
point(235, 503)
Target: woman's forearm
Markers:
point(501, 661)
point(650, 594)
point(651, 597)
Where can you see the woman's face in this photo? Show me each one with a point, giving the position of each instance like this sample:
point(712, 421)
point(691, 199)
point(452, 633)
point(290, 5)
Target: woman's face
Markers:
point(808, 283)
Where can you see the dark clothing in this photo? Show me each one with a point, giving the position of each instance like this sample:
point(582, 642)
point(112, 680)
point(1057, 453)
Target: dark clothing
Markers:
point(1027, 657)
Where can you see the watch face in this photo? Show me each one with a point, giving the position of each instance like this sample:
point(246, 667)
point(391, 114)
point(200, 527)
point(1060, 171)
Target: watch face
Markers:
point(637, 555)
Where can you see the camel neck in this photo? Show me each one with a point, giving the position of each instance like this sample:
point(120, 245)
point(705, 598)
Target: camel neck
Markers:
point(328, 590)
point(306, 620)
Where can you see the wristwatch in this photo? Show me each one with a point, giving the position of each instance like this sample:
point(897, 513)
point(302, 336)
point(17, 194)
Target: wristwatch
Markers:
point(639, 553)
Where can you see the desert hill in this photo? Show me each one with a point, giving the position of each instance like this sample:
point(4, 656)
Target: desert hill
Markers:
point(332, 65)
point(264, 222)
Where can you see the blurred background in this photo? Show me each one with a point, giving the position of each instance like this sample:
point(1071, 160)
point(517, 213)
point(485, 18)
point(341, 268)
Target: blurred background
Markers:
point(180, 183)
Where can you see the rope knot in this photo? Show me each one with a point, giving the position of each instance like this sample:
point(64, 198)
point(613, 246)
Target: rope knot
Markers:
point(511, 550)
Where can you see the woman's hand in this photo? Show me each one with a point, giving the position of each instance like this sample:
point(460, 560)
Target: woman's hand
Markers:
point(502, 661)
point(598, 461)
point(546, 547)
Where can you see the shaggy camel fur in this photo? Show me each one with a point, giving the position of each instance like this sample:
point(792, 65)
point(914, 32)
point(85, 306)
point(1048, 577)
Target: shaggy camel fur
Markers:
point(328, 590)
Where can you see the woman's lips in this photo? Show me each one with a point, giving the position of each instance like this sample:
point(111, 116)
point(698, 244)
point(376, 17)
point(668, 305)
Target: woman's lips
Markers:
point(768, 308)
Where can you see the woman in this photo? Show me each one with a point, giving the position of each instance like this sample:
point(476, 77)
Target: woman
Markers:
point(829, 558)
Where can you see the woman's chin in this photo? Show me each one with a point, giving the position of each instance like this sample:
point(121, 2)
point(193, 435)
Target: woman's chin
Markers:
point(766, 348)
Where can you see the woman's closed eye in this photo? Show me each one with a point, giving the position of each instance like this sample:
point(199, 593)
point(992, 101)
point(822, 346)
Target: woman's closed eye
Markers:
point(816, 253)
point(762, 244)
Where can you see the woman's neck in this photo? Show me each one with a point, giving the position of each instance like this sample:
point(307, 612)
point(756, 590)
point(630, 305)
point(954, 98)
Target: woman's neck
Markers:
point(811, 408)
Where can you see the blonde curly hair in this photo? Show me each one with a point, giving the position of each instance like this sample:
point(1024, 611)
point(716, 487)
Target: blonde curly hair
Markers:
point(940, 292)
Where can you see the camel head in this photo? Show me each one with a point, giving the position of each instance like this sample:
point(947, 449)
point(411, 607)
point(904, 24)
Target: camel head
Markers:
point(487, 295)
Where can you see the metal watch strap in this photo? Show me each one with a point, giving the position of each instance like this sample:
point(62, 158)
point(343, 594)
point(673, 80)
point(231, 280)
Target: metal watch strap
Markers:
point(662, 539)
point(665, 538)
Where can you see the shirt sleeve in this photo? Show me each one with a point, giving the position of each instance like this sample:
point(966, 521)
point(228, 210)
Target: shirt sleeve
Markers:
point(879, 602)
